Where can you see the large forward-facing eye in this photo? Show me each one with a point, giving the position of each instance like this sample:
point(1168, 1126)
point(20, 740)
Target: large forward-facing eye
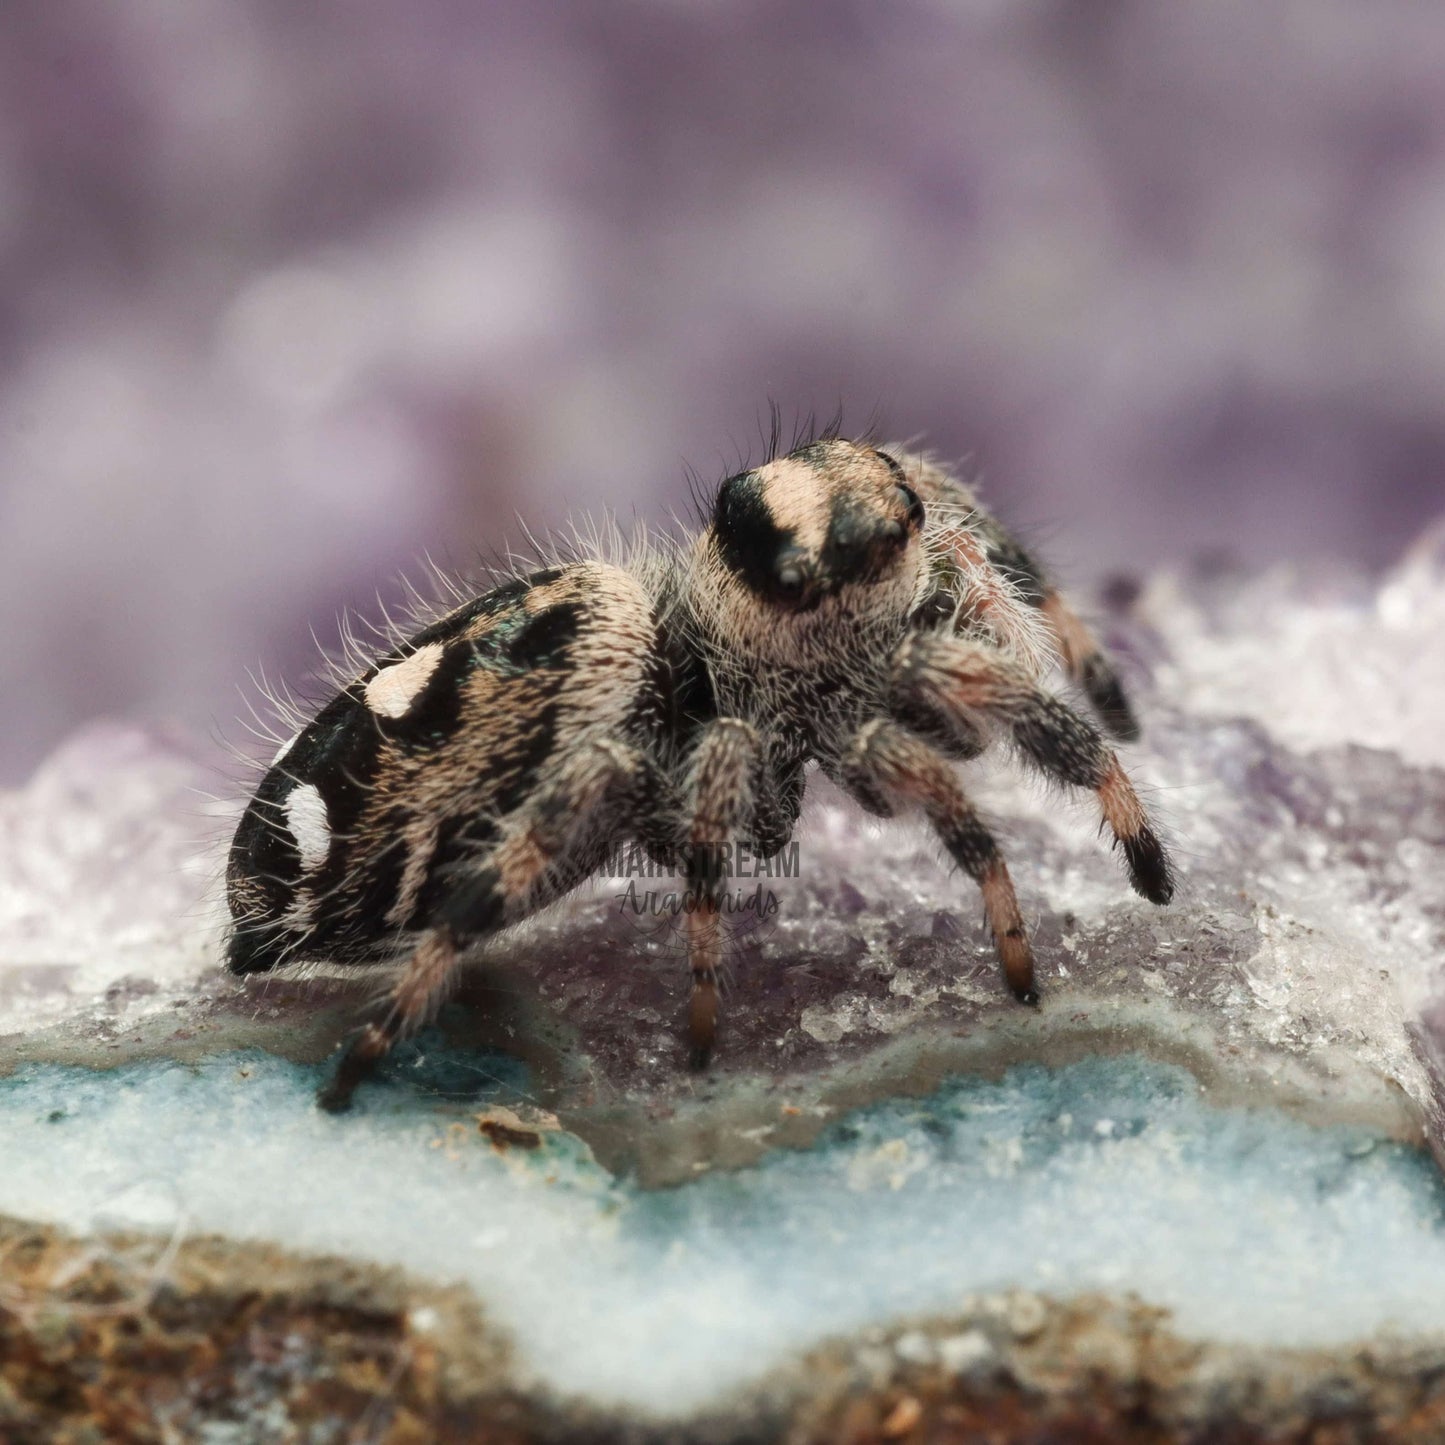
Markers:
point(914, 504)
point(910, 497)
point(790, 575)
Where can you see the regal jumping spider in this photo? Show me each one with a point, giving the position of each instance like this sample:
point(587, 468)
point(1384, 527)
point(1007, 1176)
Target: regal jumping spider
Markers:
point(845, 605)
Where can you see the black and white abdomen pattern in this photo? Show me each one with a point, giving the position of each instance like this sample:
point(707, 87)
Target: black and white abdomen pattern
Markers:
point(369, 817)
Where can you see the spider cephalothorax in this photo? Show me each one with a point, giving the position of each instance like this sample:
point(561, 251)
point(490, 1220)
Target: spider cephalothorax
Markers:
point(844, 606)
point(812, 525)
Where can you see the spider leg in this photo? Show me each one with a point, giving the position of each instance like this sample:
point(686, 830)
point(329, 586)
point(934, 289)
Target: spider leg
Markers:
point(1086, 662)
point(777, 805)
point(723, 784)
point(418, 992)
point(987, 542)
point(886, 766)
point(961, 682)
point(597, 789)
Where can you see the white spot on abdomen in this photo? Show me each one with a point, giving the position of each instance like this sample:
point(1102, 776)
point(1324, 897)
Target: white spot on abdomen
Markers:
point(285, 748)
point(306, 818)
point(393, 690)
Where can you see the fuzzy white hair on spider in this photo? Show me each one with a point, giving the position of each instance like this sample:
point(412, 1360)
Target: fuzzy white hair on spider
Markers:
point(843, 605)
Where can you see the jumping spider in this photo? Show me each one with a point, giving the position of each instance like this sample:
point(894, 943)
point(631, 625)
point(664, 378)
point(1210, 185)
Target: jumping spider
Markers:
point(845, 605)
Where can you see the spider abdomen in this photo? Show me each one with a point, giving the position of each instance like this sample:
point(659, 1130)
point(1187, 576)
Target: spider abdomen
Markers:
point(359, 826)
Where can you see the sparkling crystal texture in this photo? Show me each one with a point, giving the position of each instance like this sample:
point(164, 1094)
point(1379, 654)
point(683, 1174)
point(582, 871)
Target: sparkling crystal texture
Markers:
point(1227, 1095)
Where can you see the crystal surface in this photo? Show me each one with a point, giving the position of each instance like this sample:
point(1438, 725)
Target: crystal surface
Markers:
point(1213, 1098)
point(1108, 1175)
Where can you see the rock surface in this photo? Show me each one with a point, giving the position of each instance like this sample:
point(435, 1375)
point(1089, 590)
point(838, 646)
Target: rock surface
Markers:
point(118, 1338)
point(1295, 756)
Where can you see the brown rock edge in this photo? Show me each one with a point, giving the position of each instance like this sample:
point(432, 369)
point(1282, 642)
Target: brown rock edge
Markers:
point(134, 1339)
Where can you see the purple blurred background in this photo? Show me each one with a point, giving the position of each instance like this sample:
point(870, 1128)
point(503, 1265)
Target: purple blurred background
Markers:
point(290, 293)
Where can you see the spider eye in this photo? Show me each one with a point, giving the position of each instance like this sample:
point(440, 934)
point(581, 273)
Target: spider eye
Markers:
point(914, 504)
point(790, 576)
